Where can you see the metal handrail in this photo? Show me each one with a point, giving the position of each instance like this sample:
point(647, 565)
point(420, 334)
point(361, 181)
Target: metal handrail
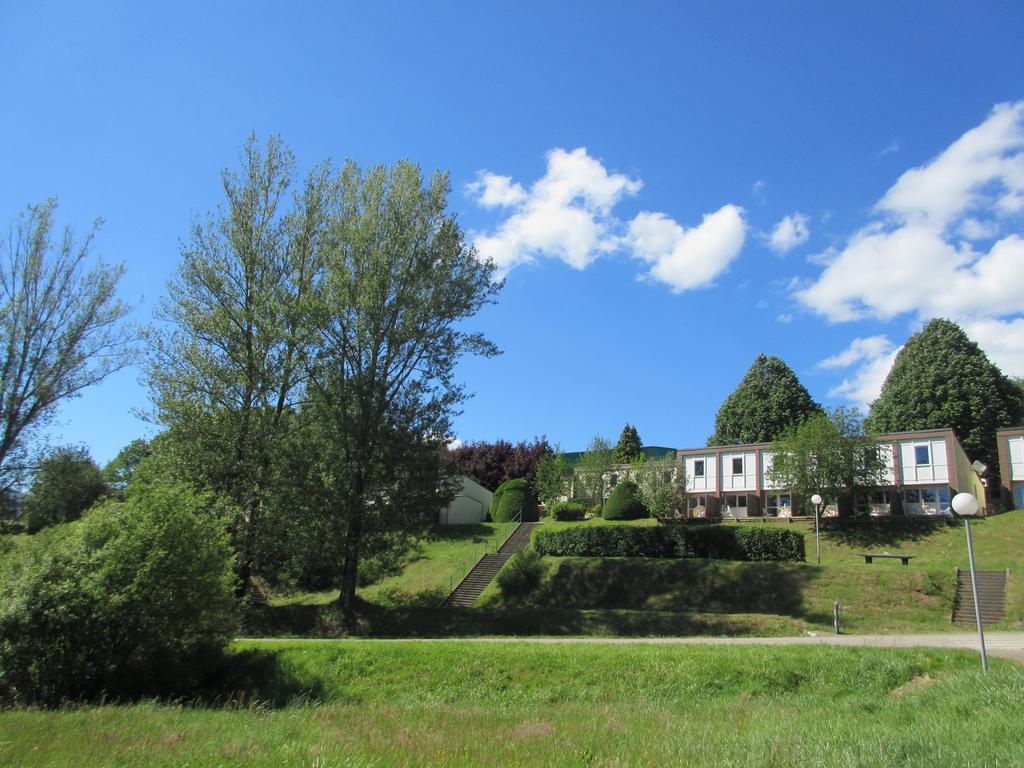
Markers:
point(491, 544)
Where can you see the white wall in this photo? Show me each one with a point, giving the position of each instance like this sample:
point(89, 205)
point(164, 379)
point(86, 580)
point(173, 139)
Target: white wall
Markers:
point(1016, 446)
point(936, 471)
point(469, 506)
point(747, 481)
point(707, 483)
point(885, 453)
point(767, 460)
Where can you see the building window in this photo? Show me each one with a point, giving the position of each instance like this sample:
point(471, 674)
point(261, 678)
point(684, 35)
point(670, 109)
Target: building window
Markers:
point(736, 502)
point(779, 502)
point(737, 465)
point(695, 502)
point(912, 496)
point(698, 468)
point(921, 455)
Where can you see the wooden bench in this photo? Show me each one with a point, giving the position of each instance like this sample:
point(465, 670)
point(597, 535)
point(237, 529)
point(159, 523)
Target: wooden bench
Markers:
point(869, 556)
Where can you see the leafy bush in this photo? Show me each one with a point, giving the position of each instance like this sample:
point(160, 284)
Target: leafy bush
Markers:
point(624, 503)
point(521, 575)
point(719, 542)
point(511, 498)
point(134, 600)
point(567, 510)
point(594, 510)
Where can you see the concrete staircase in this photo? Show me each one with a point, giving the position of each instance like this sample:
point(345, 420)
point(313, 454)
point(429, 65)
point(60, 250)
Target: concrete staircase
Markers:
point(991, 597)
point(483, 573)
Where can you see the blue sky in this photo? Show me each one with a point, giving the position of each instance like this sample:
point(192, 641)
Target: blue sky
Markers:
point(671, 190)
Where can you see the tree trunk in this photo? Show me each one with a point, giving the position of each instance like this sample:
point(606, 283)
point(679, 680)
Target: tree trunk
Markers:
point(350, 566)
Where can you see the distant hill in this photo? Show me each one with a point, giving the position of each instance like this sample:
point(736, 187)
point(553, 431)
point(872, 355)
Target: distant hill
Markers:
point(650, 452)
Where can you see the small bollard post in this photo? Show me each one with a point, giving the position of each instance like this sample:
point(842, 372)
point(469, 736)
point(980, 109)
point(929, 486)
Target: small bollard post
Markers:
point(835, 616)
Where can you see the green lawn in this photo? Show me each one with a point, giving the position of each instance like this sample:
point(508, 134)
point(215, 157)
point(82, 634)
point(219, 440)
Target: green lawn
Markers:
point(641, 597)
point(384, 703)
point(425, 576)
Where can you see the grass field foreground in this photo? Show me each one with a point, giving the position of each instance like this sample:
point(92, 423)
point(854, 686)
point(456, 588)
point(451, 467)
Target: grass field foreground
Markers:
point(384, 703)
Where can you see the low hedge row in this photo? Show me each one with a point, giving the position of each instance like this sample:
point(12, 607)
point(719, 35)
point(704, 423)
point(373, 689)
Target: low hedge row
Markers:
point(719, 542)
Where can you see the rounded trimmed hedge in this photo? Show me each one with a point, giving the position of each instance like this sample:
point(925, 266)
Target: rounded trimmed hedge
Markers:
point(624, 503)
point(512, 498)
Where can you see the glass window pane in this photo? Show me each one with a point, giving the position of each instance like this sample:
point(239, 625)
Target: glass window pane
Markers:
point(698, 468)
point(913, 496)
point(737, 466)
point(921, 454)
point(928, 495)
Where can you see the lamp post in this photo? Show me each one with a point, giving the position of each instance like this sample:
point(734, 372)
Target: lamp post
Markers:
point(816, 501)
point(966, 506)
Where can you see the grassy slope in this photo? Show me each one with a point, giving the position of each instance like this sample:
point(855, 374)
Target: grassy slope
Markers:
point(882, 597)
point(364, 703)
point(424, 580)
point(604, 597)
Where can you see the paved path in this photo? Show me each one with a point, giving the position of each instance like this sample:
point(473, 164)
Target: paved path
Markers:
point(1008, 645)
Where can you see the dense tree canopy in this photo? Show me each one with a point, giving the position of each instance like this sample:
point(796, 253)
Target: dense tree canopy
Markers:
point(67, 482)
point(829, 454)
point(942, 379)
point(768, 401)
point(119, 470)
point(400, 281)
point(629, 448)
point(227, 356)
point(491, 464)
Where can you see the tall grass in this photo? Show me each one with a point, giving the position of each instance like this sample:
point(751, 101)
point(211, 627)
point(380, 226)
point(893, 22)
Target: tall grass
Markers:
point(385, 703)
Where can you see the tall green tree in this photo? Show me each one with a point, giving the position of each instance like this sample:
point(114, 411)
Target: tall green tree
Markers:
point(830, 454)
point(119, 470)
point(768, 401)
point(229, 348)
point(554, 476)
point(67, 482)
point(400, 282)
point(629, 448)
point(62, 328)
point(662, 487)
point(589, 472)
point(943, 379)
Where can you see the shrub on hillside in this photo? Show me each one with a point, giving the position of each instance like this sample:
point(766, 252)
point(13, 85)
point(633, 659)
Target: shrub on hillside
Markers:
point(512, 498)
point(521, 575)
point(134, 600)
point(567, 510)
point(719, 542)
point(624, 503)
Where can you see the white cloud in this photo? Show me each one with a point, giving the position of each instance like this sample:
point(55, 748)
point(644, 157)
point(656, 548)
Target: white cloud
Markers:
point(871, 358)
point(910, 260)
point(687, 258)
point(892, 146)
point(568, 214)
point(972, 229)
point(492, 190)
point(958, 179)
point(757, 190)
point(785, 317)
point(565, 215)
point(789, 233)
point(1002, 340)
